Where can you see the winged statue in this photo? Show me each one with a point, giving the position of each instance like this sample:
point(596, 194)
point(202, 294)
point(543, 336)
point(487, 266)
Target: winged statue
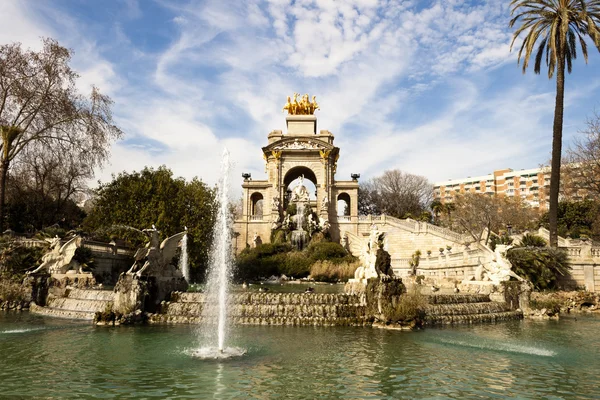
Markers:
point(154, 258)
point(59, 259)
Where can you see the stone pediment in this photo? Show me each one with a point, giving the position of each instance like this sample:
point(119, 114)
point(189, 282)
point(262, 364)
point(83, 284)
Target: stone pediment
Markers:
point(298, 144)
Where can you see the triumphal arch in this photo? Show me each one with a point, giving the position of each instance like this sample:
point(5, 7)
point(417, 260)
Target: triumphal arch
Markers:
point(300, 154)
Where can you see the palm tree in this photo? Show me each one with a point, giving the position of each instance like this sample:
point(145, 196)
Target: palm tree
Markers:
point(556, 26)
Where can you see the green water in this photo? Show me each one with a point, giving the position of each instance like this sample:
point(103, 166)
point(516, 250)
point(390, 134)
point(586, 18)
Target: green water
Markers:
point(51, 358)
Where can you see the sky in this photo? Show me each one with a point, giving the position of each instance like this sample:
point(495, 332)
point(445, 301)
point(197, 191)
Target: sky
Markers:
point(429, 87)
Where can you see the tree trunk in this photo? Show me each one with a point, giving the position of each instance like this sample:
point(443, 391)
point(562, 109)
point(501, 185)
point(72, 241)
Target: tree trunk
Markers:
point(4, 164)
point(556, 149)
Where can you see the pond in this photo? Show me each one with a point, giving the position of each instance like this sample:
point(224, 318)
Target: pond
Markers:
point(52, 358)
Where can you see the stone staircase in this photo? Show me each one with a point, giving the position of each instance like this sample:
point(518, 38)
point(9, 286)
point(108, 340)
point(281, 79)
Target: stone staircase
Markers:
point(449, 309)
point(293, 309)
point(77, 304)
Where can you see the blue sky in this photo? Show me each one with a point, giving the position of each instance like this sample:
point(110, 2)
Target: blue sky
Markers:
point(428, 87)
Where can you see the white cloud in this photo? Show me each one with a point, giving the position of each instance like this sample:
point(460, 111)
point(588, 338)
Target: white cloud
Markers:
point(401, 84)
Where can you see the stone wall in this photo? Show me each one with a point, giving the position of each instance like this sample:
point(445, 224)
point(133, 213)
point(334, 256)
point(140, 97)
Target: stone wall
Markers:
point(110, 261)
point(585, 263)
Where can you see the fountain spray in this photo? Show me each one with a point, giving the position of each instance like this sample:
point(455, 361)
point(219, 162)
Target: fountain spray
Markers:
point(217, 284)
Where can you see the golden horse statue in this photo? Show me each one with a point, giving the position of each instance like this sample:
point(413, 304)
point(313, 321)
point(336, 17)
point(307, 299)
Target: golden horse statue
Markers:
point(302, 107)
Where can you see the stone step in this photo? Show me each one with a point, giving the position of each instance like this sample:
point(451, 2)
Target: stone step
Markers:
point(68, 303)
point(269, 310)
point(62, 313)
point(91, 294)
point(473, 318)
point(281, 321)
point(436, 310)
point(457, 298)
point(274, 298)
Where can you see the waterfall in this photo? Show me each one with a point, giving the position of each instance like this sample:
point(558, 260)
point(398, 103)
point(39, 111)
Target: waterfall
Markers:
point(184, 266)
point(300, 215)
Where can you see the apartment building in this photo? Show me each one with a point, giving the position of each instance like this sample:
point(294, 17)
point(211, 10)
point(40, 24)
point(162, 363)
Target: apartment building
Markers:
point(531, 185)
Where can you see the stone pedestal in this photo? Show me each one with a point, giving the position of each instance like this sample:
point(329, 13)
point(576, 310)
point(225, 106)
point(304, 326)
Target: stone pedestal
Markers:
point(301, 125)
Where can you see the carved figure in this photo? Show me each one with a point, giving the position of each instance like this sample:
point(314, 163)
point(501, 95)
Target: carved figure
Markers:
point(314, 106)
point(155, 257)
point(325, 203)
point(59, 259)
point(324, 225)
point(295, 104)
point(275, 203)
point(344, 242)
point(499, 269)
point(300, 192)
point(305, 105)
point(256, 241)
point(288, 105)
point(366, 249)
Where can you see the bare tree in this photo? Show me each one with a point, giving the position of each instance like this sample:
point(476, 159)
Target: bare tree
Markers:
point(479, 215)
point(40, 105)
point(582, 169)
point(368, 199)
point(396, 193)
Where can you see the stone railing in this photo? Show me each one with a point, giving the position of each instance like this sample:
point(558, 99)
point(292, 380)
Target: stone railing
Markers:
point(255, 217)
point(458, 265)
point(344, 218)
point(32, 243)
point(107, 248)
point(417, 227)
point(582, 252)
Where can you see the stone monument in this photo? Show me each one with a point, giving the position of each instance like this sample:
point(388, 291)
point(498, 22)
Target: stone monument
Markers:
point(301, 154)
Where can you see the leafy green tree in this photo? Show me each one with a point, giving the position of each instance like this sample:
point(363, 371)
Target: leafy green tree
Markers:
point(576, 218)
point(555, 26)
point(141, 199)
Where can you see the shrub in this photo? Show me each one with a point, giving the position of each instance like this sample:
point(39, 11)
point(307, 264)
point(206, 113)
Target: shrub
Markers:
point(296, 264)
point(84, 256)
point(15, 260)
point(12, 291)
point(327, 271)
point(496, 240)
point(551, 305)
point(280, 258)
point(541, 266)
point(278, 236)
point(262, 261)
point(531, 240)
point(410, 309)
point(326, 251)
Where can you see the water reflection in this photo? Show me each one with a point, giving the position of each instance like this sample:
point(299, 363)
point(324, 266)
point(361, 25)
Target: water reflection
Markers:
point(520, 359)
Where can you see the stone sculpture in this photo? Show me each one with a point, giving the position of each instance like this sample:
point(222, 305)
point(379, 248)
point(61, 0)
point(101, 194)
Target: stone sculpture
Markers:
point(498, 270)
point(300, 192)
point(368, 254)
point(256, 241)
point(275, 203)
point(155, 257)
point(325, 203)
point(59, 259)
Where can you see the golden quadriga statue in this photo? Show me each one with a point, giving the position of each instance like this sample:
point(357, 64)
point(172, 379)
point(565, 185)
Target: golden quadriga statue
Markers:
point(302, 107)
